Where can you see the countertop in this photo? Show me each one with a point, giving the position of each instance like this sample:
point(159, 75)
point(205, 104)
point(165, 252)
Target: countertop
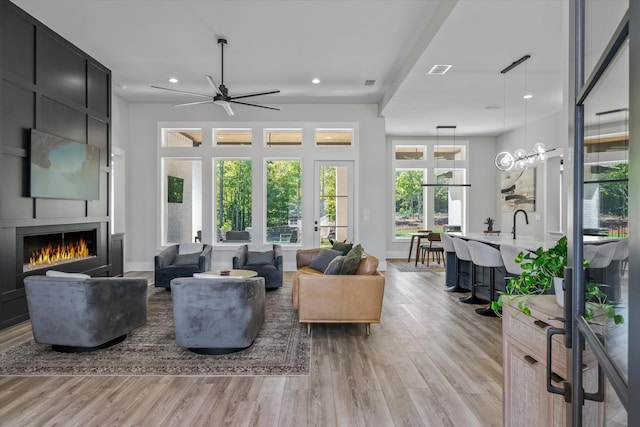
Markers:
point(524, 242)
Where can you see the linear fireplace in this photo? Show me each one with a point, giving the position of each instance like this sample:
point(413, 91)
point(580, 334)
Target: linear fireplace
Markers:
point(44, 247)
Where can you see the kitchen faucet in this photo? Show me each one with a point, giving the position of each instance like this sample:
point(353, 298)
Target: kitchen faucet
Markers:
point(526, 218)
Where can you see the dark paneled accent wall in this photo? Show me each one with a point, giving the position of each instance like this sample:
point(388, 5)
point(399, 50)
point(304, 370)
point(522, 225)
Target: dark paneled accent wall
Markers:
point(48, 84)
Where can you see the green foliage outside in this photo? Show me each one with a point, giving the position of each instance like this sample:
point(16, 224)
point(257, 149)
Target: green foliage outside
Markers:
point(233, 195)
point(409, 201)
point(328, 192)
point(284, 191)
point(615, 195)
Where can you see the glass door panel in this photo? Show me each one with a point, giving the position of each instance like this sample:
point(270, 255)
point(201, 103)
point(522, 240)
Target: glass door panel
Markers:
point(334, 203)
point(606, 197)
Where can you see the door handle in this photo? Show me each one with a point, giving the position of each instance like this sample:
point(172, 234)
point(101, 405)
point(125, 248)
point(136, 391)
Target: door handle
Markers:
point(565, 390)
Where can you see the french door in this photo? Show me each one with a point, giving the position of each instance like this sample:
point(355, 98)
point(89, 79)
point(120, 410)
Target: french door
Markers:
point(604, 161)
point(333, 202)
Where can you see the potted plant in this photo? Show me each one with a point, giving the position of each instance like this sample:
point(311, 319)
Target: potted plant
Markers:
point(489, 222)
point(540, 269)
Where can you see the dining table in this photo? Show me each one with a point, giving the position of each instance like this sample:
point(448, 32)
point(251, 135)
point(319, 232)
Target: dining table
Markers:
point(423, 234)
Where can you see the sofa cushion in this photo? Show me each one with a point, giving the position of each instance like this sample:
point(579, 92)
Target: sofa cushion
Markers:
point(187, 259)
point(335, 265)
point(368, 265)
point(260, 258)
point(189, 248)
point(343, 247)
point(324, 257)
point(352, 261)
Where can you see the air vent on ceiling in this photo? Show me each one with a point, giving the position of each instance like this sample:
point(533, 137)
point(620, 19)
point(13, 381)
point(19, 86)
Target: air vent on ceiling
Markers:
point(369, 82)
point(439, 69)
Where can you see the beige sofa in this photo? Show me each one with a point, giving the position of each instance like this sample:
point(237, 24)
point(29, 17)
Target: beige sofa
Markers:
point(337, 298)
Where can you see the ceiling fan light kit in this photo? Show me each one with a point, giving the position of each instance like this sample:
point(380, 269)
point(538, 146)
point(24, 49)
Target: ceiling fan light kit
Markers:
point(222, 97)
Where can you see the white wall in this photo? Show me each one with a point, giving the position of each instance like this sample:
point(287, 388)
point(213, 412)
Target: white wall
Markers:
point(552, 131)
point(143, 218)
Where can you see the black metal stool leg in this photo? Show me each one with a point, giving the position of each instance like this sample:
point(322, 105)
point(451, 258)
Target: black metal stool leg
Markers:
point(457, 288)
point(488, 311)
point(473, 298)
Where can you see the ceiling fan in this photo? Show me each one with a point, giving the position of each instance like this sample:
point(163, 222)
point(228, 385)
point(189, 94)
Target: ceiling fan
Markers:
point(222, 96)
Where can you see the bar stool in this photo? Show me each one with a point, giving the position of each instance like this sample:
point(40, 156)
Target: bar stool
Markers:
point(509, 254)
point(463, 254)
point(447, 244)
point(484, 255)
point(621, 255)
point(599, 258)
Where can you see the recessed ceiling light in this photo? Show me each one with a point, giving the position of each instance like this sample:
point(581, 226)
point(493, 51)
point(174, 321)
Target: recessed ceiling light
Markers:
point(315, 81)
point(173, 80)
point(439, 69)
point(528, 96)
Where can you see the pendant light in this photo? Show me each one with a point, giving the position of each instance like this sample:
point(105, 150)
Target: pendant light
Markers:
point(520, 159)
point(451, 173)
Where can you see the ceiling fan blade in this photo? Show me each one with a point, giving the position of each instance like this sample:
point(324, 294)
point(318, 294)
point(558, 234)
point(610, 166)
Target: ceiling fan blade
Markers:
point(209, 101)
point(247, 95)
point(182, 91)
point(213, 84)
point(269, 107)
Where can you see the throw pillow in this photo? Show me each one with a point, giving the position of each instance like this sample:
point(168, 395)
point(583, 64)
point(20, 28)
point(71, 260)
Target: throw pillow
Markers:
point(342, 247)
point(189, 248)
point(55, 273)
point(322, 260)
point(334, 266)
point(260, 258)
point(352, 261)
point(187, 259)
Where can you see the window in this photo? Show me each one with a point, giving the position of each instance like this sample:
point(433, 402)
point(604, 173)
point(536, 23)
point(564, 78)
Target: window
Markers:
point(449, 152)
point(232, 137)
point(181, 137)
point(334, 137)
point(283, 201)
point(409, 202)
point(233, 200)
point(182, 200)
point(447, 201)
point(410, 152)
point(427, 188)
point(283, 137)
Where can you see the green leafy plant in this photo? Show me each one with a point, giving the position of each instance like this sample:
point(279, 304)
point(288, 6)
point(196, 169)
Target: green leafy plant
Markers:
point(539, 270)
point(489, 222)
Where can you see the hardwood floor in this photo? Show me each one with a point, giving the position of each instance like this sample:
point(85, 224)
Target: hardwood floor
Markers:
point(432, 361)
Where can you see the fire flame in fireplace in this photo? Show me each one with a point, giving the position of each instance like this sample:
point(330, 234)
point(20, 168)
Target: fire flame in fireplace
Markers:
point(53, 255)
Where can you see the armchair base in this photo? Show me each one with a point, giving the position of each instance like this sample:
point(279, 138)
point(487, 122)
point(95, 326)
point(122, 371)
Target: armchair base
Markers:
point(77, 349)
point(217, 351)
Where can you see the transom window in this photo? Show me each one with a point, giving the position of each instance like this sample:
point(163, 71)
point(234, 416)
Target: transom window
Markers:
point(181, 137)
point(334, 137)
point(283, 137)
point(232, 137)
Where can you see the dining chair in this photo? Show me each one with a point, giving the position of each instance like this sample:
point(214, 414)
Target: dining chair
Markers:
point(433, 248)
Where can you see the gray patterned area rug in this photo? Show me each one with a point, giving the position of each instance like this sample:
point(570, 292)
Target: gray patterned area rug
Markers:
point(281, 348)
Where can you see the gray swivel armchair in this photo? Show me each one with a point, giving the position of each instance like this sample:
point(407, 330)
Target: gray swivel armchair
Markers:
point(170, 264)
point(268, 264)
point(217, 315)
point(76, 314)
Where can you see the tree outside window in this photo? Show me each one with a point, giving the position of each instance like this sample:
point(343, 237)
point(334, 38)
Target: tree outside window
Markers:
point(233, 196)
point(409, 202)
point(284, 201)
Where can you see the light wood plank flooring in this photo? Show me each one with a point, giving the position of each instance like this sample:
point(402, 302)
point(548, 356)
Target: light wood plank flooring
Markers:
point(432, 361)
